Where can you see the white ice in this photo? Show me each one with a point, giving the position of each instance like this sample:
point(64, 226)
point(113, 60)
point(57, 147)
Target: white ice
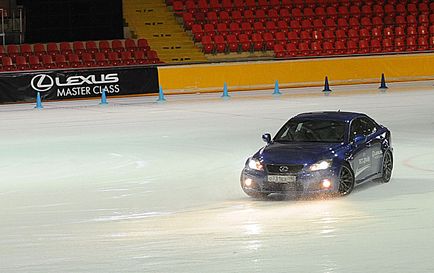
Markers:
point(139, 186)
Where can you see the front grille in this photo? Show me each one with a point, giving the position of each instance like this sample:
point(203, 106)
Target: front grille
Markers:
point(279, 187)
point(284, 169)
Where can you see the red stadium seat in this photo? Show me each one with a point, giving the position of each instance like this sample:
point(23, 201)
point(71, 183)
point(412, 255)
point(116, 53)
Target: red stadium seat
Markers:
point(188, 20)
point(363, 46)
point(21, 63)
point(113, 58)
point(343, 24)
point(273, 15)
point(26, 50)
point(100, 59)
point(207, 44)
point(341, 35)
point(422, 31)
point(209, 30)
point(39, 49)
point(344, 12)
point(117, 46)
point(399, 31)
point(260, 15)
point(328, 48)
point(399, 44)
point(91, 47)
point(318, 24)
point(340, 47)
point(225, 18)
point(220, 44)
point(269, 40)
point(388, 32)
point(13, 51)
point(7, 64)
point(317, 35)
point(316, 48)
point(197, 32)
point(305, 36)
point(140, 57)
point(270, 27)
point(375, 46)
point(246, 28)
point(285, 14)
point(258, 42)
point(352, 47)
point(330, 24)
point(281, 37)
point(293, 36)
point(127, 58)
point(222, 29)
point(308, 13)
point(387, 45)
point(237, 17)
point(78, 47)
point(295, 25)
point(65, 48)
point(355, 11)
point(354, 23)
point(329, 35)
point(364, 34)
point(211, 18)
point(306, 24)
point(331, 12)
point(48, 63)
point(304, 48)
point(142, 44)
point(235, 28)
point(233, 43)
point(353, 35)
point(282, 26)
point(422, 43)
point(411, 43)
point(74, 60)
point(258, 27)
point(292, 50)
point(130, 45)
point(34, 62)
point(104, 47)
point(279, 51)
point(60, 61)
point(249, 16)
point(245, 42)
point(87, 59)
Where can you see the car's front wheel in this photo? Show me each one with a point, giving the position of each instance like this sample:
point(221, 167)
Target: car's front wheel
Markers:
point(387, 167)
point(346, 180)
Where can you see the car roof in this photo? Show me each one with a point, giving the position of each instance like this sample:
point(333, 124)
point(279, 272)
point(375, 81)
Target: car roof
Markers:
point(334, 115)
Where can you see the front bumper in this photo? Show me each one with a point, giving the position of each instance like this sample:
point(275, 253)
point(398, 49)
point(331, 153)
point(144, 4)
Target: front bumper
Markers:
point(307, 182)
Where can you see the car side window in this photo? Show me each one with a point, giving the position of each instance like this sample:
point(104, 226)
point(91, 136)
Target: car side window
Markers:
point(368, 125)
point(356, 128)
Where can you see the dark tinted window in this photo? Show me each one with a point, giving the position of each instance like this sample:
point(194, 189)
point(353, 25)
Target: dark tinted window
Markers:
point(311, 131)
point(362, 126)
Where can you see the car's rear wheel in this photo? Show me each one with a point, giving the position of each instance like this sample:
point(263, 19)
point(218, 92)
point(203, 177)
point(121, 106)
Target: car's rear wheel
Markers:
point(387, 167)
point(346, 180)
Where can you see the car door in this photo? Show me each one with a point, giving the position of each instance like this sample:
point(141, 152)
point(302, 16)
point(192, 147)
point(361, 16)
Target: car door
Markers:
point(373, 142)
point(361, 156)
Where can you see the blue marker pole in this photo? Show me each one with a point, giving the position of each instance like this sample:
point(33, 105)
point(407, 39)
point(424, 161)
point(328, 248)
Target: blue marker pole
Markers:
point(38, 101)
point(161, 97)
point(276, 88)
point(103, 97)
point(225, 91)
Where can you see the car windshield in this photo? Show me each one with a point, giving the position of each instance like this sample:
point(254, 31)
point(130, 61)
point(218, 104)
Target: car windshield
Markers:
point(311, 131)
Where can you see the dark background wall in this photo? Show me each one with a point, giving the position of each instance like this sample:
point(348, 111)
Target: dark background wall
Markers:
point(72, 20)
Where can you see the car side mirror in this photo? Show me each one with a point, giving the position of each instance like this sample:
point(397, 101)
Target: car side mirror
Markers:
point(266, 138)
point(359, 140)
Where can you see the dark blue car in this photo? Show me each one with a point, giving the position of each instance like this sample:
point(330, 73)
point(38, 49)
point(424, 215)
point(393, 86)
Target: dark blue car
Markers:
point(320, 152)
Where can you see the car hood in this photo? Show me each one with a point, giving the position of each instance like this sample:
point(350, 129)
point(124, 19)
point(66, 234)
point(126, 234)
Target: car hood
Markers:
point(297, 153)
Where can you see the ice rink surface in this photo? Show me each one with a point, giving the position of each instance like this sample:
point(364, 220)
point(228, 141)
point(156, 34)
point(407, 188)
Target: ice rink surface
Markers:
point(139, 186)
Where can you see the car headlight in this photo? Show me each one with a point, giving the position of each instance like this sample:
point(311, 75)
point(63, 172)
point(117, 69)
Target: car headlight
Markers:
point(321, 165)
point(255, 164)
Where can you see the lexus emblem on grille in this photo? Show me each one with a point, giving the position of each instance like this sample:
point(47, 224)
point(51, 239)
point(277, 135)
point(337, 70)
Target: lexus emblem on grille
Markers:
point(283, 169)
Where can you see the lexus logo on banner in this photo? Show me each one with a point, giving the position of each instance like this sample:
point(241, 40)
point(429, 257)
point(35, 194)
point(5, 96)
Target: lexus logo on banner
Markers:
point(42, 82)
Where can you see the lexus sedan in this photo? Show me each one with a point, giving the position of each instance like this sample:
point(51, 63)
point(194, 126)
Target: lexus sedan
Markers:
point(320, 152)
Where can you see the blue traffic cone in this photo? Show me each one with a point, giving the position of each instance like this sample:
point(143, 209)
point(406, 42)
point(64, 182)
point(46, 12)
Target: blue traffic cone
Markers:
point(103, 97)
point(383, 82)
point(326, 85)
point(225, 91)
point(161, 97)
point(38, 101)
point(276, 88)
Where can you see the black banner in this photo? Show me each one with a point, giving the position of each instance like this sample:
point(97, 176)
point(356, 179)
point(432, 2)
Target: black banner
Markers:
point(68, 84)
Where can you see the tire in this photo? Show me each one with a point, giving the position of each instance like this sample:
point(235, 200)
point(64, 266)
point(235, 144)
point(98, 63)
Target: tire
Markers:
point(387, 167)
point(346, 180)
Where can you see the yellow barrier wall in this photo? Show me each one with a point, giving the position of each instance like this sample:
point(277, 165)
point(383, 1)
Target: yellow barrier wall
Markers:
point(257, 75)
